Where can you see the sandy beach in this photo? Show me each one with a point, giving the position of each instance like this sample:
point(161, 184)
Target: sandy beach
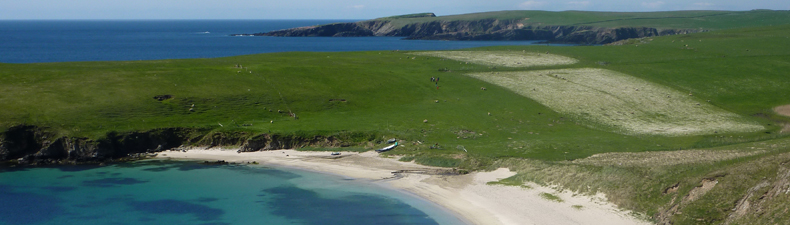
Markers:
point(468, 195)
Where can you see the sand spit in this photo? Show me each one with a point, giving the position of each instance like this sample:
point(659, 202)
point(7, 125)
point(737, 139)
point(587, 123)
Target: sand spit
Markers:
point(627, 104)
point(467, 195)
point(503, 58)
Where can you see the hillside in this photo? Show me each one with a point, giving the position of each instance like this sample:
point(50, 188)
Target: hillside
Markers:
point(727, 164)
point(562, 27)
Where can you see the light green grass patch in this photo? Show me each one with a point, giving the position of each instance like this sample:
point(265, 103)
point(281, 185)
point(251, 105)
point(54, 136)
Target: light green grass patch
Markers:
point(550, 197)
point(503, 58)
point(625, 103)
point(510, 181)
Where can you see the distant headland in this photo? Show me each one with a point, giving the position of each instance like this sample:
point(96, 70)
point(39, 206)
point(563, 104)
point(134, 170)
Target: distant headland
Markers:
point(557, 27)
point(577, 27)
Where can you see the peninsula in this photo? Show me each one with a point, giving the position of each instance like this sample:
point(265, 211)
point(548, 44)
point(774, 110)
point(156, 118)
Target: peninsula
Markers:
point(578, 27)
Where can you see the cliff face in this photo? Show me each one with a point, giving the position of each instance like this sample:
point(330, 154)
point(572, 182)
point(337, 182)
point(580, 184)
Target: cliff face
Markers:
point(34, 145)
point(485, 29)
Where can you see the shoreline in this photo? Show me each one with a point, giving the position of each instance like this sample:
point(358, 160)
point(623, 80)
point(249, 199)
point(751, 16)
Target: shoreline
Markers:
point(466, 196)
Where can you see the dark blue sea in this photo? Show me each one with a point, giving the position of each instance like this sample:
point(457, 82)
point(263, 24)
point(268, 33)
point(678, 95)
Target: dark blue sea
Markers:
point(62, 41)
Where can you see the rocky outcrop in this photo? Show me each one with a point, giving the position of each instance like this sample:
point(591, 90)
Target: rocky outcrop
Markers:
point(473, 30)
point(265, 142)
point(20, 141)
point(34, 145)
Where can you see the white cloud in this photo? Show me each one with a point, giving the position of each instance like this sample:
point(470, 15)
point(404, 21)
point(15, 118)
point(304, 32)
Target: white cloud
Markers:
point(579, 3)
point(531, 4)
point(357, 6)
point(653, 4)
point(703, 4)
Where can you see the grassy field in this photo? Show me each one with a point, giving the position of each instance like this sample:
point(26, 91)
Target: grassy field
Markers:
point(391, 93)
point(620, 102)
point(462, 120)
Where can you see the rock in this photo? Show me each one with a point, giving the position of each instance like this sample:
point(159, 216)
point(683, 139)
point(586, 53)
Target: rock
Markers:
point(218, 162)
point(163, 97)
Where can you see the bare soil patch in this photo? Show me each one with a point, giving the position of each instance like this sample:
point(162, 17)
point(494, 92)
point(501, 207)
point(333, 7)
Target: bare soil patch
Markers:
point(503, 58)
point(783, 110)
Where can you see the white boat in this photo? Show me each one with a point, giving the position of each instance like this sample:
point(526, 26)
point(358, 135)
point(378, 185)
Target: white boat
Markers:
point(388, 148)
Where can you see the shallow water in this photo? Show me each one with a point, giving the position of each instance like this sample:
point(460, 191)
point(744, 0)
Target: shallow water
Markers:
point(186, 192)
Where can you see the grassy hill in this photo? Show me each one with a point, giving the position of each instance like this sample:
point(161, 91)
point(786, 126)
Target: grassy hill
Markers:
point(389, 94)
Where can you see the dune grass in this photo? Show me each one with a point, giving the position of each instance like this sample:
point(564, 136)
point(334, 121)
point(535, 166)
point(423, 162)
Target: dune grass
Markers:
point(510, 182)
point(550, 197)
point(654, 187)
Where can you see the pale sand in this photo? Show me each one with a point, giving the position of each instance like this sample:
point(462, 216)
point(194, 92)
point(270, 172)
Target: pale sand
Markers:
point(466, 195)
point(783, 110)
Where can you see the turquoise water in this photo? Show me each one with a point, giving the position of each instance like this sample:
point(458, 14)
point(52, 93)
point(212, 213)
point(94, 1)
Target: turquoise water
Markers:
point(185, 192)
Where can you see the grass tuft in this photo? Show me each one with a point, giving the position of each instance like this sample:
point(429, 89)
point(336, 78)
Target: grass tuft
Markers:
point(550, 197)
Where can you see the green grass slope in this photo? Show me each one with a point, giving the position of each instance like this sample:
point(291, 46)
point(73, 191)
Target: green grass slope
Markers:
point(390, 92)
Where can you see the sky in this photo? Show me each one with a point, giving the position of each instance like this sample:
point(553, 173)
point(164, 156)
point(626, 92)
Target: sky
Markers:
point(337, 9)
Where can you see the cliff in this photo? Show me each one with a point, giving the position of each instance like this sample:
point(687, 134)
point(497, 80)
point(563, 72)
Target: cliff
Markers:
point(36, 146)
point(475, 30)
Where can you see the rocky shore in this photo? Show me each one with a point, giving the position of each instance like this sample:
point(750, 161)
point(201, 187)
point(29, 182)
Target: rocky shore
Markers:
point(32, 145)
point(476, 30)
